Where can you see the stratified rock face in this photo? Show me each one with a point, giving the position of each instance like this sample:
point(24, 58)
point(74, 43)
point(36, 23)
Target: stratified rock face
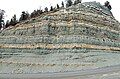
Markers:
point(83, 36)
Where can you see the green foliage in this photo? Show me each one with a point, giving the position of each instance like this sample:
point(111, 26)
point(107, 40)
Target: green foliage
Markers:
point(1, 18)
point(58, 6)
point(24, 16)
point(13, 21)
point(33, 14)
point(7, 24)
point(36, 13)
point(46, 9)
point(51, 8)
point(77, 2)
point(62, 4)
point(69, 3)
point(107, 4)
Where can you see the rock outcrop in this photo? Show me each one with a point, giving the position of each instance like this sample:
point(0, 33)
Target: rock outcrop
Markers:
point(82, 36)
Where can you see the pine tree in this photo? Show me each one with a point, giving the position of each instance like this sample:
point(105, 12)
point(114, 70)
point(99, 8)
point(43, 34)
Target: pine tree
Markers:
point(107, 4)
point(69, 3)
point(23, 16)
point(1, 18)
point(62, 4)
point(58, 6)
point(77, 2)
point(51, 8)
point(13, 21)
point(7, 24)
point(27, 15)
point(46, 9)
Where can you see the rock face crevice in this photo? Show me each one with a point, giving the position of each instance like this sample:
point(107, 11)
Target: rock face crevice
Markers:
point(85, 36)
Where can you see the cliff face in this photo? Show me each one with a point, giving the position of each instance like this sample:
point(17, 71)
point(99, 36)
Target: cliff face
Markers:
point(74, 38)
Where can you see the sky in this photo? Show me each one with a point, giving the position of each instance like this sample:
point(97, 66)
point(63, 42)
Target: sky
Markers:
point(12, 7)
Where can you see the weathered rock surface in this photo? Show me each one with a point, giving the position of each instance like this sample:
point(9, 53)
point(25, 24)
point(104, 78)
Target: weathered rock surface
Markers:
point(83, 36)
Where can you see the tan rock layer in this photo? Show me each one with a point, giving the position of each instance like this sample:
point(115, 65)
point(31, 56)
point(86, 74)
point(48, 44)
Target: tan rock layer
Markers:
point(57, 46)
